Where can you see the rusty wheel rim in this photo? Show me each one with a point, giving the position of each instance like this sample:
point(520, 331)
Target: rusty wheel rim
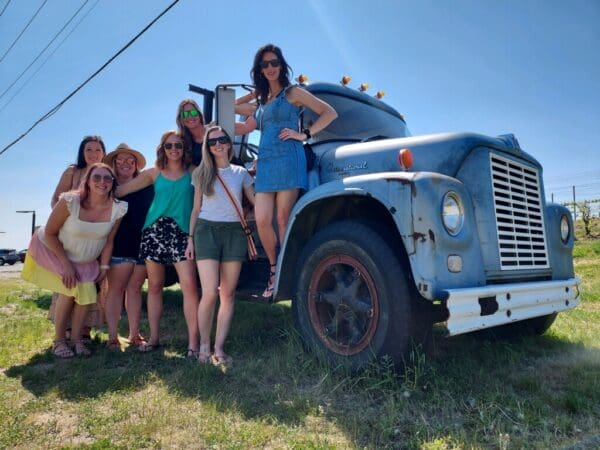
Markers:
point(343, 304)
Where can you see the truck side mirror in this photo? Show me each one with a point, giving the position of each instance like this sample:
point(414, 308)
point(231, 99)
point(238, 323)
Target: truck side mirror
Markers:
point(226, 109)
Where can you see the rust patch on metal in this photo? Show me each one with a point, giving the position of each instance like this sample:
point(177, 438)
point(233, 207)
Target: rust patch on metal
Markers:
point(418, 236)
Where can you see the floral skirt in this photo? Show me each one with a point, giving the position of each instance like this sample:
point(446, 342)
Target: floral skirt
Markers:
point(44, 269)
point(164, 242)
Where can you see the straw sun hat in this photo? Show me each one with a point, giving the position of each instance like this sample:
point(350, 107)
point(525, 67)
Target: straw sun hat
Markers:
point(124, 148)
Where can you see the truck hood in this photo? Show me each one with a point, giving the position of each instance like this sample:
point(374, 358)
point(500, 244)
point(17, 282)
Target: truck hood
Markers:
point(443, 153)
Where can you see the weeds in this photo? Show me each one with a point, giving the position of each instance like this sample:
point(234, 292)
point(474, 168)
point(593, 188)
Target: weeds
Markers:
point(472, 391)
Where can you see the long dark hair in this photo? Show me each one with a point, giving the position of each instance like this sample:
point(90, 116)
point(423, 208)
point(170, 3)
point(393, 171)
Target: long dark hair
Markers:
point(81, 164)
point(260, 82)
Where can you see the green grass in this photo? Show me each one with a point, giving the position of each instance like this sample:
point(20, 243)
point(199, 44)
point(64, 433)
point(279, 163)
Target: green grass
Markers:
point(472, 392)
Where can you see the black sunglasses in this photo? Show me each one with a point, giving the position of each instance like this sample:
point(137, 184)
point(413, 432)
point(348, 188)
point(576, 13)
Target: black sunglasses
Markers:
point(177, 145)
point(221, 140)
point(272, 62)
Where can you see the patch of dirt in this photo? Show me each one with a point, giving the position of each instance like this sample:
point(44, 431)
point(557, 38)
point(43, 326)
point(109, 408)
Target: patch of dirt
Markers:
point(13, 271)
point(62, 426)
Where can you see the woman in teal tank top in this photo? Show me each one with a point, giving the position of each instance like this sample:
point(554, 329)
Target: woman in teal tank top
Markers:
point(165, 233)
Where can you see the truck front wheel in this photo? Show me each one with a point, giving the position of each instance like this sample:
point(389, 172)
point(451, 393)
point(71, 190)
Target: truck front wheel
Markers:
point(352, 301)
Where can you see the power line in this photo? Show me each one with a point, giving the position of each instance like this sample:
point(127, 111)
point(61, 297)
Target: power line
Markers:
point(4, 9)
point(45, 48)
point(22, 31)
point(48, 57)
point(68, 97)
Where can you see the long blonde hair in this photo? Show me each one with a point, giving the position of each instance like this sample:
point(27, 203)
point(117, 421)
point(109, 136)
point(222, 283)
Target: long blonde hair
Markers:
point(205, 174)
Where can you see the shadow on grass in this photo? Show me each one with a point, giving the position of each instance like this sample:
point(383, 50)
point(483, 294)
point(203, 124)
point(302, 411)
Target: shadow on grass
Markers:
point(470, 390)
point(257, 333)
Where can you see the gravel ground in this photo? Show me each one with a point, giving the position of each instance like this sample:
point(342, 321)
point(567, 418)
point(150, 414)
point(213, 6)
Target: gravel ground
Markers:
point(13, 271)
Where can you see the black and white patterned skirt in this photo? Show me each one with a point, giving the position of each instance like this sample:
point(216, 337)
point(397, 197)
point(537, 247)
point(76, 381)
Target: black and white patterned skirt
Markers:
point(164, 242)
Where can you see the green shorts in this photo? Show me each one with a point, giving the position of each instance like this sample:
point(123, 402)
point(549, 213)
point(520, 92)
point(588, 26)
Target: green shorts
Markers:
point(221, 241)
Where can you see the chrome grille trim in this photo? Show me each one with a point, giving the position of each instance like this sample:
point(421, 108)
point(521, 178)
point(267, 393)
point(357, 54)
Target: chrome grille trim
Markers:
point(519, 215)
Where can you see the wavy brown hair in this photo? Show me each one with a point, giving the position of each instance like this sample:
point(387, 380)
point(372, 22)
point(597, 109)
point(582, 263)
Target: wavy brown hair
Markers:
point(161, 157)
point(205, 174)
point(84, 188)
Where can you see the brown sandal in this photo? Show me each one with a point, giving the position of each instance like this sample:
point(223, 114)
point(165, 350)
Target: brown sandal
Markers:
point(224, 361)
point(62, 350)
point(80, 349)
point(137, 341)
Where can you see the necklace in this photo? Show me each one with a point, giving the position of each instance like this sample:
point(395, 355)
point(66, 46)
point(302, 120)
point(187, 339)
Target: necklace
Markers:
point(274, 94)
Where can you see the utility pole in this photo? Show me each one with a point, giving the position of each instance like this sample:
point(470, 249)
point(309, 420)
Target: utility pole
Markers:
point(32, 211)
point(574, 206)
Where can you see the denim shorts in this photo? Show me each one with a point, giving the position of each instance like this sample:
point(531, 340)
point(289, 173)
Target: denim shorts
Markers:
point(221, 241)
point(116, 260)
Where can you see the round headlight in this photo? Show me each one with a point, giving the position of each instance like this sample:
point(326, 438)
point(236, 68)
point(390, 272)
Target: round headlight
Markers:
point(565, 229)
point(452, 213)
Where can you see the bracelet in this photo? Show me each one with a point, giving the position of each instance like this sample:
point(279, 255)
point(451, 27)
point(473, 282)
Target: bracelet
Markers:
point(104, 267)
point(306, 131)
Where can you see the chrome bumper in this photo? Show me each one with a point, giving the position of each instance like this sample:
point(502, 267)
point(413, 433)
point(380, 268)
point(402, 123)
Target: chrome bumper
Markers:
point(515, 301)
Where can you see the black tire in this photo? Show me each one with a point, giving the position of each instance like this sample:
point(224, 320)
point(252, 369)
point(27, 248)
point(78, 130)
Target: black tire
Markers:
point(1, 261)
point(528, 327)
point(11, 263)
point(352, 302)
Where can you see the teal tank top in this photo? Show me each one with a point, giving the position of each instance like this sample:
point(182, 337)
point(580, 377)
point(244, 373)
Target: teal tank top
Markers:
point(172, 199)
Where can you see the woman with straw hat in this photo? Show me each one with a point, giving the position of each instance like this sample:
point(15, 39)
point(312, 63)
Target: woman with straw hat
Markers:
point(127, 271)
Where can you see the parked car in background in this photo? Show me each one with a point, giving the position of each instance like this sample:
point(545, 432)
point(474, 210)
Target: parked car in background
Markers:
point(22, 254)
point(8, 256)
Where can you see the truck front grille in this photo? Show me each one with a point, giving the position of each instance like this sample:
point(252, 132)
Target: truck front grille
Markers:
point(519, 215)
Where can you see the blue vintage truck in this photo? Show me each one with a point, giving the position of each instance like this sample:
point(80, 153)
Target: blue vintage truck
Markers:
point(381, 247)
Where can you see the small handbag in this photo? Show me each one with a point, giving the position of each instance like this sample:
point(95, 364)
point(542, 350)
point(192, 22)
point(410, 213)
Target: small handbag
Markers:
point(252, 254)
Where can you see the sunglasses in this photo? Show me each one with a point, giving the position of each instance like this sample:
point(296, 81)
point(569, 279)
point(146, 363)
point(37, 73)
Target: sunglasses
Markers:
point(190, 113)
point(272, 62)
point(177, 145)
point(221, 140)
point(106, 178)
point(125, 160)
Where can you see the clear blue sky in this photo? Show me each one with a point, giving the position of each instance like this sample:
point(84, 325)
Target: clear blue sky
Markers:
point(531, 68)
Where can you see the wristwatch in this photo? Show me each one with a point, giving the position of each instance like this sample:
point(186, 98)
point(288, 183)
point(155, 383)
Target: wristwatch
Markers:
point(306, 131)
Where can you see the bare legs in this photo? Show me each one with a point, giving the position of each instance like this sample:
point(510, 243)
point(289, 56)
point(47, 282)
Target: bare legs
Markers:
point(264, 207)
point(186, 271)
point(133, 300)
point(212, 275)
point(118, 276)
point(156, 281)
point(187, 281)
point(63, 309)
point(126, 278)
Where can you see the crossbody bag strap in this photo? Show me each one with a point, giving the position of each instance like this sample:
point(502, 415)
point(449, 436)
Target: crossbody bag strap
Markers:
point(247, 231)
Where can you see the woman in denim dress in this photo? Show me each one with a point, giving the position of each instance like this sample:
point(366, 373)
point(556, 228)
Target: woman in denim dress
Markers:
point(281, 168)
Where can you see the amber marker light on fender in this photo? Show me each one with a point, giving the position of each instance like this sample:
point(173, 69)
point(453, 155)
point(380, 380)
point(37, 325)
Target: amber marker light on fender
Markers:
point(380, 95)
point(405, 159)
point(345, 80)
point(363, 87)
